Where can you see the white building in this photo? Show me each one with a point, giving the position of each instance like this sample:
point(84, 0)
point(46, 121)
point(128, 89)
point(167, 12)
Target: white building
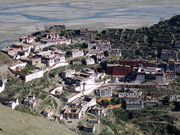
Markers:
point(88, 71)
point(57, 90)
point(150, 73)
point(84, 81)
point(24, 54)
point(76, 53)
point(18, 66)
point(83, 103)
point(9, 102)
point(12, 51)
point(115, 53)
point(72, 113)
point(68, 73)
point(170, 76)
point(91, 52)
point(169, 54)
point(131, 93)
point(57, 42)
point(48, 112)
point(134, 105)
point(27, 39)
point(52, 59)
point(34, 75)
point(17, 69)
point(89, 61)
point(104, 92)
point(90, 128)
point(174, 97)
point(175, 66)
point(177, 44)
point(73, 97)
point(2, 85)
point(93, 121)
point(100, 56)
point(100, 44)
point(30, 100)
point(97, 110)
point(52, 36)
point(23, 46)
point(39, 46)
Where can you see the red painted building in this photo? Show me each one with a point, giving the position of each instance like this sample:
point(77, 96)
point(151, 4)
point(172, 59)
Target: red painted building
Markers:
point(149, 64)
point(118, 70)
point(129, 62)
point(125, 67)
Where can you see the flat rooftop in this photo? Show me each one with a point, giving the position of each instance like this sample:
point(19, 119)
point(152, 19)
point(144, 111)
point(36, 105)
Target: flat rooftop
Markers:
point(72, 110)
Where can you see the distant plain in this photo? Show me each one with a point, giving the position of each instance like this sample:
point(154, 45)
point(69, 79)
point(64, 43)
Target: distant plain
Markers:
point(22, 17)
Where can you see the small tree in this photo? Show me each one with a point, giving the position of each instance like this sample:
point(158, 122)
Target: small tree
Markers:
point(114, 100)
point(119, 101)
point(106, 102)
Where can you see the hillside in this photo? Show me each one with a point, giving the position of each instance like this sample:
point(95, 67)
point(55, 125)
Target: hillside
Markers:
point(18, 123)
point(142, 43)
point(145, 42)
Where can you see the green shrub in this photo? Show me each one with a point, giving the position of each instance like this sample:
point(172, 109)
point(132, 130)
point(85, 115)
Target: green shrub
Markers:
point(116, 100)
point(106, 102)
point(42, 96)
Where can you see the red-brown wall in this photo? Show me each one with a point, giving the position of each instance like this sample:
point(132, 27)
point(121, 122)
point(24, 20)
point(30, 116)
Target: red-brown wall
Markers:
point(118, 70)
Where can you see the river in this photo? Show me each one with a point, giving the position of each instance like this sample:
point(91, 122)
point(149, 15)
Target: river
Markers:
point(21, 17)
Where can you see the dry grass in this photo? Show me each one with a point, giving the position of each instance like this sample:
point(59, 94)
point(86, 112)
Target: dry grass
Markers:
point(4, 58)
point(18, 123)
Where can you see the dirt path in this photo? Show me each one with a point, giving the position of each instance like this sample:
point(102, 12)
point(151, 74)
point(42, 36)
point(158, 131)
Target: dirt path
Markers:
point(58, 105)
